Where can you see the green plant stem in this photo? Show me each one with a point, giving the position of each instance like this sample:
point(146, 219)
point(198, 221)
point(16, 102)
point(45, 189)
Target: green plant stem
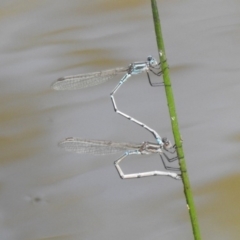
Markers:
point(174, 122)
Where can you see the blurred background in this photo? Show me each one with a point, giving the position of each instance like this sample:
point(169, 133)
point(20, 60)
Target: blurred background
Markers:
point(47, 193)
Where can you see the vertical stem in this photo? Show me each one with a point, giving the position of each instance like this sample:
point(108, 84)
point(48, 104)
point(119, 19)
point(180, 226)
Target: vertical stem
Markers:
point(174, 122)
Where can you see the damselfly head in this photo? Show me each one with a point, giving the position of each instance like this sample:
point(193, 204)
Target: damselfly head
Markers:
point(166, 143)
point(152, 61)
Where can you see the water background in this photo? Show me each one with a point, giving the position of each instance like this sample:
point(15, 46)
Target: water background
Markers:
point(46, 193)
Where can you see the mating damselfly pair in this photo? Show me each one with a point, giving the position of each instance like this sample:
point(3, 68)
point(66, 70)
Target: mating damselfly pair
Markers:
point(103, 147)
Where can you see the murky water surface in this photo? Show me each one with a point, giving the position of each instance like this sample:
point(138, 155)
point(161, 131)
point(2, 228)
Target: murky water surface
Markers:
point(47, 193)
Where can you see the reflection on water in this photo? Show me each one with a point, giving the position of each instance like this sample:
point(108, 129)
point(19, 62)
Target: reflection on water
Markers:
point(220, 205)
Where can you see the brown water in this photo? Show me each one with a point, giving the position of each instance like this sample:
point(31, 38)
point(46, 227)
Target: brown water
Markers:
point(46, 193)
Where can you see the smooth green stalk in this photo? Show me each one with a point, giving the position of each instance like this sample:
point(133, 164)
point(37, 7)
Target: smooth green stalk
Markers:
point(174, 122)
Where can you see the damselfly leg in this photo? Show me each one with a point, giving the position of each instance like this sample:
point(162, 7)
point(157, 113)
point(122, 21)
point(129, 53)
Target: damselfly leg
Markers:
point(152, 68)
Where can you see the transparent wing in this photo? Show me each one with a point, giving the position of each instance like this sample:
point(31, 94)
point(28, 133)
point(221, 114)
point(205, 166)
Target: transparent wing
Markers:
point(99, 147)
point(86, 80)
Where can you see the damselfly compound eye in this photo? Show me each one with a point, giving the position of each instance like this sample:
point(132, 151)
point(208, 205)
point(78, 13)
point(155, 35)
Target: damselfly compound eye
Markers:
point(149, 58)
point(167, 143)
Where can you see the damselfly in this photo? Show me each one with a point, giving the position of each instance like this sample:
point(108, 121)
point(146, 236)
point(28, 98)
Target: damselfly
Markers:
point(101, 147)
point(91, 79)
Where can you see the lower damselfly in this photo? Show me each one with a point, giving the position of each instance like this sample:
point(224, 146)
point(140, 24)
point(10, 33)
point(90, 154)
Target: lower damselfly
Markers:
point(102, 147)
